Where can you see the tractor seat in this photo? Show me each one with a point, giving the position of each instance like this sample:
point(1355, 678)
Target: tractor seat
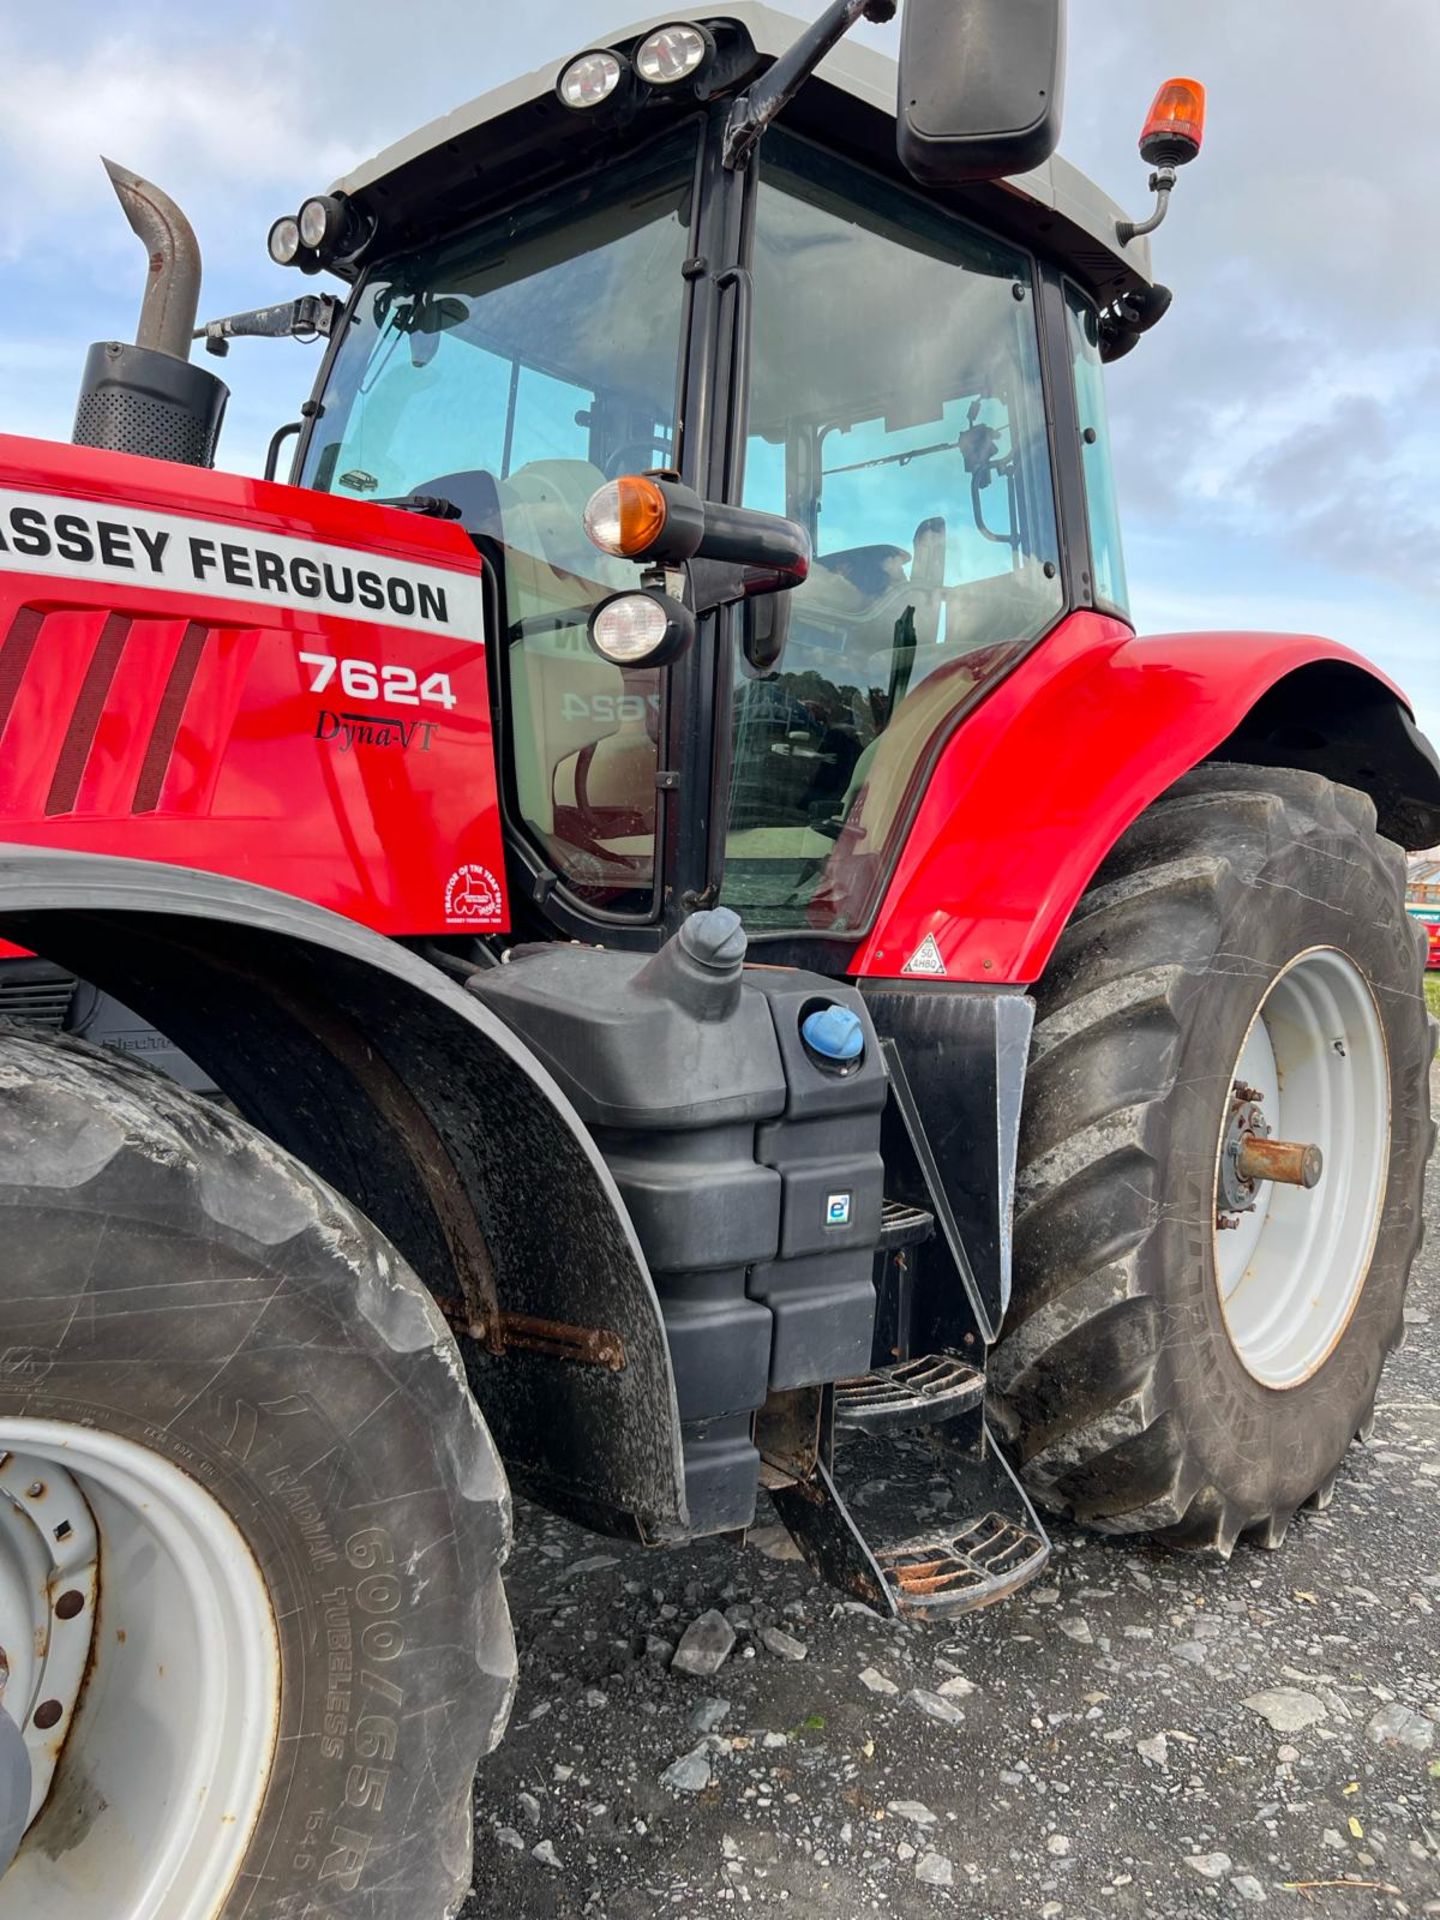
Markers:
point(549, 561)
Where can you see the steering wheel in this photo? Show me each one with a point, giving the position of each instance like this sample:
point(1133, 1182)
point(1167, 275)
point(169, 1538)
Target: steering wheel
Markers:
point(620, 462)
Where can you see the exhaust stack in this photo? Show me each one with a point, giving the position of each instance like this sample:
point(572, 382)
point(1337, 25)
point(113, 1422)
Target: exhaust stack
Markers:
point(172, 285)
point(147, 398)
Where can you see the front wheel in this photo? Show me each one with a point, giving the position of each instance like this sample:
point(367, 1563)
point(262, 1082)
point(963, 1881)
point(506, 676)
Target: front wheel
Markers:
point(251, 1526)
point(1222, 1160)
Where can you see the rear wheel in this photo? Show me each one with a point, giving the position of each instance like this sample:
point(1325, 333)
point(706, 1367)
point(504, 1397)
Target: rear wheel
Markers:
point(1192, 1345)
point(251, 1525)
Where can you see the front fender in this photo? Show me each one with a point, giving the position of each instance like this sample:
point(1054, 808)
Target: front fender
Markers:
point(412, 1099)
point(1034, 788)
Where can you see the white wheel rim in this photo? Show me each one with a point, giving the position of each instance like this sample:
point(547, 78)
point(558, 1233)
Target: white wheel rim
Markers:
point(1293, 1267)
point(161, 1775)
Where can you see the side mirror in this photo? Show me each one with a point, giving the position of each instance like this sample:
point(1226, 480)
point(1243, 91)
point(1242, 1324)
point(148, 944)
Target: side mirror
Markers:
point(764, 629)
point(981, 83)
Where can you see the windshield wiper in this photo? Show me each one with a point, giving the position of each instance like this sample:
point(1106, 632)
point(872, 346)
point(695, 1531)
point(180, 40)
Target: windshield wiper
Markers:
point(895, 459)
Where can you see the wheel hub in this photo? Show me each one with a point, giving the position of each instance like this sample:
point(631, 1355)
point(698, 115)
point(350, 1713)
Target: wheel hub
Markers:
point(1292, 1246)
point(1236, 1193)
point(49, 1555)
point(144, 1682)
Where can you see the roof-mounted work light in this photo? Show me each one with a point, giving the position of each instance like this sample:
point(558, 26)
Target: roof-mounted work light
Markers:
point(327, 228)
point(1172, 136)
point(283, 244)
point(321, 221)
point(591, 79)
point(673, 54)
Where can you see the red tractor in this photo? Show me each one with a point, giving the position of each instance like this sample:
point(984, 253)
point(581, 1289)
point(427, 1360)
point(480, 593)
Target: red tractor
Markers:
point(729, 963)
point(1428, 920)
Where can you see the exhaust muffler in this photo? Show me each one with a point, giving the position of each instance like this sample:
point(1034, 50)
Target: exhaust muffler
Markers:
point(146, 397)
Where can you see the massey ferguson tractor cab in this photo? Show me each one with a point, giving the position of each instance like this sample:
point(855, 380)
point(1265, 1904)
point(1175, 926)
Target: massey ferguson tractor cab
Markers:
point(730, 965)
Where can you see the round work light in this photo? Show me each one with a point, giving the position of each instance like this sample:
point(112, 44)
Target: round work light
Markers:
point(590, 79)
point(672, 54)
point(640, 629)
point(284, 242)
point(320, 221)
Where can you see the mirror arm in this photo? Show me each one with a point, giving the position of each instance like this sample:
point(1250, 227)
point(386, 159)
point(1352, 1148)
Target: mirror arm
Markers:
point(762, 594)
point(1162, 185)
point(311, 316)
point(724, 583)
point(766, 543)
point(777, 87)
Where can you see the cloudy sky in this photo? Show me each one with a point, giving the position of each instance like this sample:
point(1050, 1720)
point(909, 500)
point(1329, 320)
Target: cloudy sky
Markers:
point(1278, 437)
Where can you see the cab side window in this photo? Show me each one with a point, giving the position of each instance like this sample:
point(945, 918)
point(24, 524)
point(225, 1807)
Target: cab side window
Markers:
point(1107, 556)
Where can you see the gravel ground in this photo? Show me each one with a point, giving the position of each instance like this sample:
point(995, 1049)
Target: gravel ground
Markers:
point(1137, 1734)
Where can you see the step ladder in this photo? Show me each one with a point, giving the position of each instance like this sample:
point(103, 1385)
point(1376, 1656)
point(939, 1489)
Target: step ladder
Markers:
point(911, 1393)
point(891, 1483)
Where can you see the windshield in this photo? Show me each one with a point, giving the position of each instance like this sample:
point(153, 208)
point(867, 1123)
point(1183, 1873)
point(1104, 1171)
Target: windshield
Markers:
point(514, 371)
point(897, 411)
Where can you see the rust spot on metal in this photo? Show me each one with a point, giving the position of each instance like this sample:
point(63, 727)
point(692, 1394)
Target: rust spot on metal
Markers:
point(47, 1714)
point(930, 1575)
point(588, 1346)
point(1291, 1162)
point(986, 1561)
point(787, 1431)
point(69, 1604)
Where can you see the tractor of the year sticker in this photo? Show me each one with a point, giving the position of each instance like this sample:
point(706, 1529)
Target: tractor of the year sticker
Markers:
point(473, 897)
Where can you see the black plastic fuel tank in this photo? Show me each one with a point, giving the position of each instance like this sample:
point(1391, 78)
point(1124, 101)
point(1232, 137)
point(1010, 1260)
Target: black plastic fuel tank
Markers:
point(739, 1111)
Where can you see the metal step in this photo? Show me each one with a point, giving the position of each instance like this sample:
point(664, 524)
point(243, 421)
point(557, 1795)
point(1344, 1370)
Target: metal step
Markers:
point(912, 1393)
point(989, 1559)
point(902, 1225)
point(920, 1524)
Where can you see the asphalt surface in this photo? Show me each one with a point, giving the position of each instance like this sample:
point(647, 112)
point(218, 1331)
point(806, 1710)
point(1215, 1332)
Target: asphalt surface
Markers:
point(1095, 1753)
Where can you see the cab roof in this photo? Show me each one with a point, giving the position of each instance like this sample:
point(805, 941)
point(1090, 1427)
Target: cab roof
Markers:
point(518, 137)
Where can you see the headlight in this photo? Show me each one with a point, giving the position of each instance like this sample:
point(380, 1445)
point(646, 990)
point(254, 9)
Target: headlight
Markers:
point(625, 517)
point(320, 221)
point(640, 629)
point(590, 79)
point(672, 54)
point(283, 244)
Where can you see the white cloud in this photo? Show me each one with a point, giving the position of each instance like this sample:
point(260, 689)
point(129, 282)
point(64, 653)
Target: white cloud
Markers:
point(1287, 407)
point(233, 115)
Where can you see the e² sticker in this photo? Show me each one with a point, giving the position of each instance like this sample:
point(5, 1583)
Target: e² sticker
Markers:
point(837, 1210)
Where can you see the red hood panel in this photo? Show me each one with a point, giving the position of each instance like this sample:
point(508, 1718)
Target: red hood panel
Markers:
point(251, 678)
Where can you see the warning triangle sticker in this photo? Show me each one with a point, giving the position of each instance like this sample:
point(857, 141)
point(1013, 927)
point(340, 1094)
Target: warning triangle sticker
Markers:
point(925, 959)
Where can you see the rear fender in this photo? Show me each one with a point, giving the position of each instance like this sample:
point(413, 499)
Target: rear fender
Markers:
point(1034, 788)
point(405, 1093)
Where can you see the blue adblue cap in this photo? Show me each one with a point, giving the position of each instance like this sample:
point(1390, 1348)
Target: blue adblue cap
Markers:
point(834, 1033)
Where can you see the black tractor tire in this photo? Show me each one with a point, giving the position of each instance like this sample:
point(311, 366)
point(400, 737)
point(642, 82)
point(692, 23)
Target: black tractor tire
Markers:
point(1124, 1402)
point(171, 1277)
